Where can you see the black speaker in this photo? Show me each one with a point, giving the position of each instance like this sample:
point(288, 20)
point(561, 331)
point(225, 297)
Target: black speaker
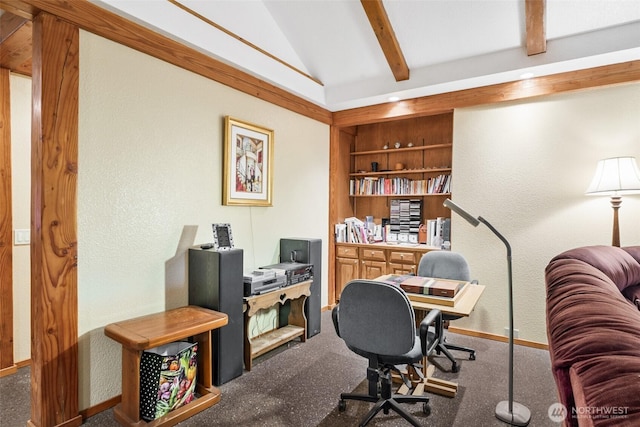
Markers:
point(308, 251)
point(216, 283)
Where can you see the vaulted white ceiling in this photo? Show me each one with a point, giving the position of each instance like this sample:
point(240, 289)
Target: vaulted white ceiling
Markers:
point(327, 52)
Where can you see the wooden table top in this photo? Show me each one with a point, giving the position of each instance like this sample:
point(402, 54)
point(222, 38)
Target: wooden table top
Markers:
point(142, 333)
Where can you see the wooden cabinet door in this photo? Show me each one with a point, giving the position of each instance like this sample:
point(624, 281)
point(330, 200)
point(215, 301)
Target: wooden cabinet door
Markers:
point(373, 269)
point(346, 270)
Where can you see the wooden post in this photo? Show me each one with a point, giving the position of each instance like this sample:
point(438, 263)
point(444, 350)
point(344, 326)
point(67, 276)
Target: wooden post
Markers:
point(6, 225)
point(54, 167)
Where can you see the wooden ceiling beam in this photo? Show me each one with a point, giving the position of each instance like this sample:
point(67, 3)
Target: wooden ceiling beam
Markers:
point(17, 7)
point(535, 12)
point(15, 43)
point(387, 38)
point(99, 21)
point(9, 24)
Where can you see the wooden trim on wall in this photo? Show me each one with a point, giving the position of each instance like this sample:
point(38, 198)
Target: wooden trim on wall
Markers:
point(6, 226)
point(107, 24)
point(626, 72)
point(54, 185)
point(501, 338)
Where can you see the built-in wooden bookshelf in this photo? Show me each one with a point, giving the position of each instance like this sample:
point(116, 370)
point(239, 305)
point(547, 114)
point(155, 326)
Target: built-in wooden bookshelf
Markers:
point(424, 154)
point(426, 160)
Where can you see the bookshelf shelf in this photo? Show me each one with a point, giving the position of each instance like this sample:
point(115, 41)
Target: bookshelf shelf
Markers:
point(402, 172)
point(399, 150)
point(413, 196)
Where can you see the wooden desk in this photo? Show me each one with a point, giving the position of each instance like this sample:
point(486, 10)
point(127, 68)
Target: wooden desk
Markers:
point(297, 323)
point(463, 307)
point(142, 333)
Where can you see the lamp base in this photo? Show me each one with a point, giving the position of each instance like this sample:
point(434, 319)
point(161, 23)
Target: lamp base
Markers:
point(520, 416)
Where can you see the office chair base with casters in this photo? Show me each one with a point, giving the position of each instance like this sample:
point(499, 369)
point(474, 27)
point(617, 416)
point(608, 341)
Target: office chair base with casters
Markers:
point(472, 352)
point(384, 399)
point(442, 348)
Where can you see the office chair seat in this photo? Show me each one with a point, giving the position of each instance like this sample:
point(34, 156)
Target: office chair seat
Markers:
point(376, 321)
point(447, 265)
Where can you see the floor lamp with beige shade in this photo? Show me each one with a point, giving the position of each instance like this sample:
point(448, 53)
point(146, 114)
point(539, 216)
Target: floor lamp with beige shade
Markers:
point(615, 177)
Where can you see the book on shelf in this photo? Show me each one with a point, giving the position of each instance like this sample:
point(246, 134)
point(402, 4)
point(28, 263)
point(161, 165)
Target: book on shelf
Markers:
point(438, 231)
point(354, 230)
point(372, 186)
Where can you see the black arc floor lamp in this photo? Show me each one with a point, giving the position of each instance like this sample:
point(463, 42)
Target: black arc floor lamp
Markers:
point(508, 411)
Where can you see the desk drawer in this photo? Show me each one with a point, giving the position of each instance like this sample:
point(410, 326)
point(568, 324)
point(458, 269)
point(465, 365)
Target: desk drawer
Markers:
point(405, 257)
point(347, 251)
point(373, 254)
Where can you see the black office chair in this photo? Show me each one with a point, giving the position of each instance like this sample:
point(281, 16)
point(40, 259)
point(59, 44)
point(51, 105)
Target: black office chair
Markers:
point(376, 321)
point(447, 265)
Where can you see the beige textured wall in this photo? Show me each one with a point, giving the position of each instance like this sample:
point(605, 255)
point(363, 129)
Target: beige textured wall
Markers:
point(150, 163)
point(21, 211)
point(525, 167)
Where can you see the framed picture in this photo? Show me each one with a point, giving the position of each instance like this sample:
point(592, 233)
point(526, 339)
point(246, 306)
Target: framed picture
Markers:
point(222, 237)
point(248, 164)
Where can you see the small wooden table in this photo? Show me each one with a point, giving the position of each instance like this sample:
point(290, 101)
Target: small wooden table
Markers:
point(143, 333)
point(297, 323)
point(462, 305)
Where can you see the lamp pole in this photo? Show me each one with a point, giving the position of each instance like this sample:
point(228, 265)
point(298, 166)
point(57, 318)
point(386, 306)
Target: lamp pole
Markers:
point(508, 411)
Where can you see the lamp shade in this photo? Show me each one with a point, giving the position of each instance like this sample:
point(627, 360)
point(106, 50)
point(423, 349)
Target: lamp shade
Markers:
point(615, 176)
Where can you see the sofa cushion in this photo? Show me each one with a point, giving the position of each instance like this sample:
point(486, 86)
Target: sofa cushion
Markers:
point(594, 333)
point(606, 391)
point(634, 251)
point(617, 264)
point(587, 316)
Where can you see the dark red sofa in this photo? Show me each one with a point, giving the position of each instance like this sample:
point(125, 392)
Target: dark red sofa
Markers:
point(593, 326)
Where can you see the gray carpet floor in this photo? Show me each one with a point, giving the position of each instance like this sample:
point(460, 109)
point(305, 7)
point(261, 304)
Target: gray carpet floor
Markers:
point(299, 385)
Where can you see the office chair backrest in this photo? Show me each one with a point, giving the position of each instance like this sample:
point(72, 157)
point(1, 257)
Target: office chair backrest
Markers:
point(377, 318)
point(445, 265)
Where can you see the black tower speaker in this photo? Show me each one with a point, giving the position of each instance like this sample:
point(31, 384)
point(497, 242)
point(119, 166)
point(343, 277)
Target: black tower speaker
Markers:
point(308, 251)
point(216, 283)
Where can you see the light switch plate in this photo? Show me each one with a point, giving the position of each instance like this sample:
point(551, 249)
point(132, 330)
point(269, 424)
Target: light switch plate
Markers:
point(21, 237)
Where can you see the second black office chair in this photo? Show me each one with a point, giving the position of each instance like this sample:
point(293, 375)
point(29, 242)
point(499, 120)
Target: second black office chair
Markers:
point(447, 265)
point(376, 321)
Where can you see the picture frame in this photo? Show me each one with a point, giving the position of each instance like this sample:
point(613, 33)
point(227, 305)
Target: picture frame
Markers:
point(248, 164)
point(222, 237)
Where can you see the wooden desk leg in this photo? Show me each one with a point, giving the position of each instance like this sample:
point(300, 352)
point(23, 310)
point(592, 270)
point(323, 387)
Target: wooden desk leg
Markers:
point(431, 384)
point(128, 411)
point(438, 386)
point(297, 316)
